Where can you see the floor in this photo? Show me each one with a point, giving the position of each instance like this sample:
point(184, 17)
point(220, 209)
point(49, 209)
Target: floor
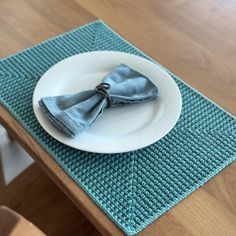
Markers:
point(14, 160)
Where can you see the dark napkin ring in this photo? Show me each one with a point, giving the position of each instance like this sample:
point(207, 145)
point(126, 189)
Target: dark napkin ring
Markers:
point(102, 89)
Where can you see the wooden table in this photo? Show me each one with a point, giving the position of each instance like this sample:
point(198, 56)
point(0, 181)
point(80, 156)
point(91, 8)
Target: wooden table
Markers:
point(193, 39)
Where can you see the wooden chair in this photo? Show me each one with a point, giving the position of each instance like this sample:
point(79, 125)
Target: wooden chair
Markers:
point(13, 224)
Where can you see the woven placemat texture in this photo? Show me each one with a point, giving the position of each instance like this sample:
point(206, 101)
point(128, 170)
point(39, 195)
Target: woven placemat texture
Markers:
point(133, 188)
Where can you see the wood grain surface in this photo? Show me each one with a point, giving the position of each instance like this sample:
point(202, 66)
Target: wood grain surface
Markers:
point(193, 39)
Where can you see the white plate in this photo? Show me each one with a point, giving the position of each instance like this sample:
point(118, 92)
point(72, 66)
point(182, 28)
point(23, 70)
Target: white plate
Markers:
point(120, 129)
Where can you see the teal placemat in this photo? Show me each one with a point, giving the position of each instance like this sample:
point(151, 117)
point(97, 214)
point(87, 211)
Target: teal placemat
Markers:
point(133, 188)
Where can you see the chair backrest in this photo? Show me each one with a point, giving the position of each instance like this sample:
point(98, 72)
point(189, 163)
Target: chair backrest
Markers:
point(13, 224)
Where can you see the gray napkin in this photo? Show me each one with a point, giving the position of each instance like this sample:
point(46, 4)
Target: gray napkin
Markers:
point(72, 114)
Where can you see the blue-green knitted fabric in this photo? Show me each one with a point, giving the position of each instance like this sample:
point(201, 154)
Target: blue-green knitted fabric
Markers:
point(133, 188)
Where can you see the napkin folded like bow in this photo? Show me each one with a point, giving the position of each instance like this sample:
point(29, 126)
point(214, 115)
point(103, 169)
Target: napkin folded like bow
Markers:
point(72, 114)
